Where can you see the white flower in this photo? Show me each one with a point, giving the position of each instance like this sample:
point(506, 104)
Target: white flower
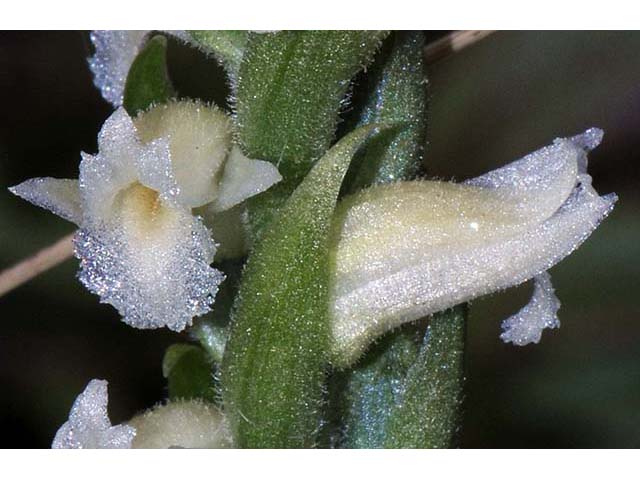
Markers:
point(180, 424)
point(410, 249)
point(141, 248)
point(89, 426)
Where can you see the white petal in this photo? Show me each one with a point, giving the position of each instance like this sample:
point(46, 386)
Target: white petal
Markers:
point(115, 51)
point(199, 141)
point(536, 185)
point(185, 424)
point(61, 196)
point(375, 224)
point(152, 264)
point(155, 170)
point(244, 178)
point(386, 228)
point(541, 312)
point(89, 426)
point(104, 175)
point(400, 260)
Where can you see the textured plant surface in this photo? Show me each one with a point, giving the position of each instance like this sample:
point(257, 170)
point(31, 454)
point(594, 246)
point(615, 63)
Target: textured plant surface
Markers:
point(293, 232)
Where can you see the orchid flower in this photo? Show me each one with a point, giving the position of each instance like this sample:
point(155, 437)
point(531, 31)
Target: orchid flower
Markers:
point(89, 426)
point(141, 246)
point(410, 249)
point(181, 424)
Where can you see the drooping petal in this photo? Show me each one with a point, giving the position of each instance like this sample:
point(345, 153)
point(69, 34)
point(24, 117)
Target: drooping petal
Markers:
point(183, 424)
point(59, 195)
point(115, 51)
point(396, 262)
point(199, 140)
point(243, 178)
point(541, 312)
point(89, 426)
point(152, 264)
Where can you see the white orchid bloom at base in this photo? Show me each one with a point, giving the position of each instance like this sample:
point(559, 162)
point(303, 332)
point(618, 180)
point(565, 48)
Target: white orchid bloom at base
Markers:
point(141, 247)
point(89, 426)
point(182, 424)
point(410, 249)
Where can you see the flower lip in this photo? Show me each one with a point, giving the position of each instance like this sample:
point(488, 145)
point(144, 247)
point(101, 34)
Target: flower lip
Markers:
point(411, 249)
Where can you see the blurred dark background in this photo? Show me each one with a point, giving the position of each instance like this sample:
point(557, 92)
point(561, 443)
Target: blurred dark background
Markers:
point(492, 103)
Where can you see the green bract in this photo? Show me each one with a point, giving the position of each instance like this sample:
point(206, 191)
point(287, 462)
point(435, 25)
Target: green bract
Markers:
point(426, 412)
point(290, 90)
point(189, 373)
point(226, 45)
point(148, 81)
point(273, 369)
point(393, 93)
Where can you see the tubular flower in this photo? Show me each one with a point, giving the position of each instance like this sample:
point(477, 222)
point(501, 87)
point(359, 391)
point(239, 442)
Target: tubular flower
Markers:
point(89, 426)
point(410, 249)
point(141, 247)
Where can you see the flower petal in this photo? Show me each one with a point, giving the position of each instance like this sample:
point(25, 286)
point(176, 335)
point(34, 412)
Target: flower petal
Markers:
point(155, 170)
point(89, 426)
point(152, 264)
point(199, 140)
point(61, 196)
point(541, 312)
point(115, 51)
point(104, 175)
point(536, 185)
point(243, 178)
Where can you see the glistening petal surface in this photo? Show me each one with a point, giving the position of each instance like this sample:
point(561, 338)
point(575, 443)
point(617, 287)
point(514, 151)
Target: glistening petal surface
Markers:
point(455, 256)
point(89, 426)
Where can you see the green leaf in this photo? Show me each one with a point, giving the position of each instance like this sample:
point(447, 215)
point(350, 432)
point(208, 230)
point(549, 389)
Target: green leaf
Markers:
point(427, 413)
point(190, 373)
point(274, 363)
point(148, 81)
point(226, 45)
point(394, 93)
point(291, 88)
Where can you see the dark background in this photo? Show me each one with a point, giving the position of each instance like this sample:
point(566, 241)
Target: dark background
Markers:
point(490, 104)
